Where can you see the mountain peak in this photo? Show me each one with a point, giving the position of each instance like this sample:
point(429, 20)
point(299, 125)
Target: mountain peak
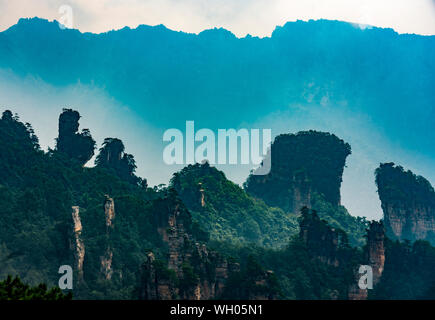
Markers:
point(38, 25)
point(325, 26)
point(218, 32)
point(36, 21)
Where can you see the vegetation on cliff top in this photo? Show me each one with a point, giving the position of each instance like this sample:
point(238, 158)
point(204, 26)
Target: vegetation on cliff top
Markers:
point(38, 189)
point(306, 170)
point(308, 157)
point(227, 212)
point(408, 200)
point(397, 185)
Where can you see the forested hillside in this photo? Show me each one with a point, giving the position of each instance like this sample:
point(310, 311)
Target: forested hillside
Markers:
point(202, 237)
point(229, 214)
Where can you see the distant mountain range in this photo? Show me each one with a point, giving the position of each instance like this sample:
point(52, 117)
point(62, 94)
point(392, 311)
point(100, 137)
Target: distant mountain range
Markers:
point(322, 74)
point(168, 75)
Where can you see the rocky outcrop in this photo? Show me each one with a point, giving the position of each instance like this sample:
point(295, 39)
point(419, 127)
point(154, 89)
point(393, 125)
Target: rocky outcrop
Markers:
point(107, 258)
point(409, 222)
point(330, 246)
point(301, 192)
point(76, 145)
point(301, 164)
point(376, 249)
point(155, 286)
point(78, 244)
point(374, 257)
point(109, 211)
point(191, 271)
point(323, 241)
point(163, 281)
point(202, 191)
point(408, 203)
point(106, 264)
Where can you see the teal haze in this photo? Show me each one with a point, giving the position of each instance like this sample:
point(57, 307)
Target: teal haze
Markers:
point(373, 88)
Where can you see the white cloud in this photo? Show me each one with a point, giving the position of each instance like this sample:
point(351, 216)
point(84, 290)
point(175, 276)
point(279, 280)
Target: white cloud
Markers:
point(256, 17)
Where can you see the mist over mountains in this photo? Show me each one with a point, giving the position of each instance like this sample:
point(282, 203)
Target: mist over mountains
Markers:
point(372, 87)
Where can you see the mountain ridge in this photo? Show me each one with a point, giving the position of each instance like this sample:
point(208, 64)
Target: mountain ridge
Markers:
point(37, 20)
point(317, 74)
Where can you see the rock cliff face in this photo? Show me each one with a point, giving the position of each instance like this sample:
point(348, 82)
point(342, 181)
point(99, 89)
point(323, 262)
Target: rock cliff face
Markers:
point(78, 244)
point(109, 211)
point(374, 257)
point(107, 258)
point(192, 271)
point(301, 192)
point(301, 164)
point(167, 282)
point(408, 203)
point(330, 246)
point(323, 241)
point(409, 222)
point(376, 249)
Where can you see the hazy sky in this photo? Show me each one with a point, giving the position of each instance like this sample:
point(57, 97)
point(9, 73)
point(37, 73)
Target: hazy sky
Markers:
point(256, 17)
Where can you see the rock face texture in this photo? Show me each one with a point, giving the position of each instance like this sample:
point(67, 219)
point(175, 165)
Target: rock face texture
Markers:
point(408, 203)
point(301, 192)
point(323, 241)
point(106, 264)
point(330, 246)
point(78, 244)
point(301, 164)
point(192, 271)
point(374, 256)
point(109, 211)
point(376, 249)
point(107, 258)
point(159, 282)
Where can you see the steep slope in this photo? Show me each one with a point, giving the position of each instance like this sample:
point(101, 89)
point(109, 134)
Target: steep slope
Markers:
point(302, 164)
point(225, 210)
point(126, 241)
point(54, 211)
point(408, 202)
point(306, 170)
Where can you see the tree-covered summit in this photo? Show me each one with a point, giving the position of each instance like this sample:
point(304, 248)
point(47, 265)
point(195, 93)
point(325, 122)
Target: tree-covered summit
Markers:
point(227, 212)
point(302, 164)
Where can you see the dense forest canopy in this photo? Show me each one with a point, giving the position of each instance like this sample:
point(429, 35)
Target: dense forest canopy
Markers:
point(307, 255)
point(227, 212)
